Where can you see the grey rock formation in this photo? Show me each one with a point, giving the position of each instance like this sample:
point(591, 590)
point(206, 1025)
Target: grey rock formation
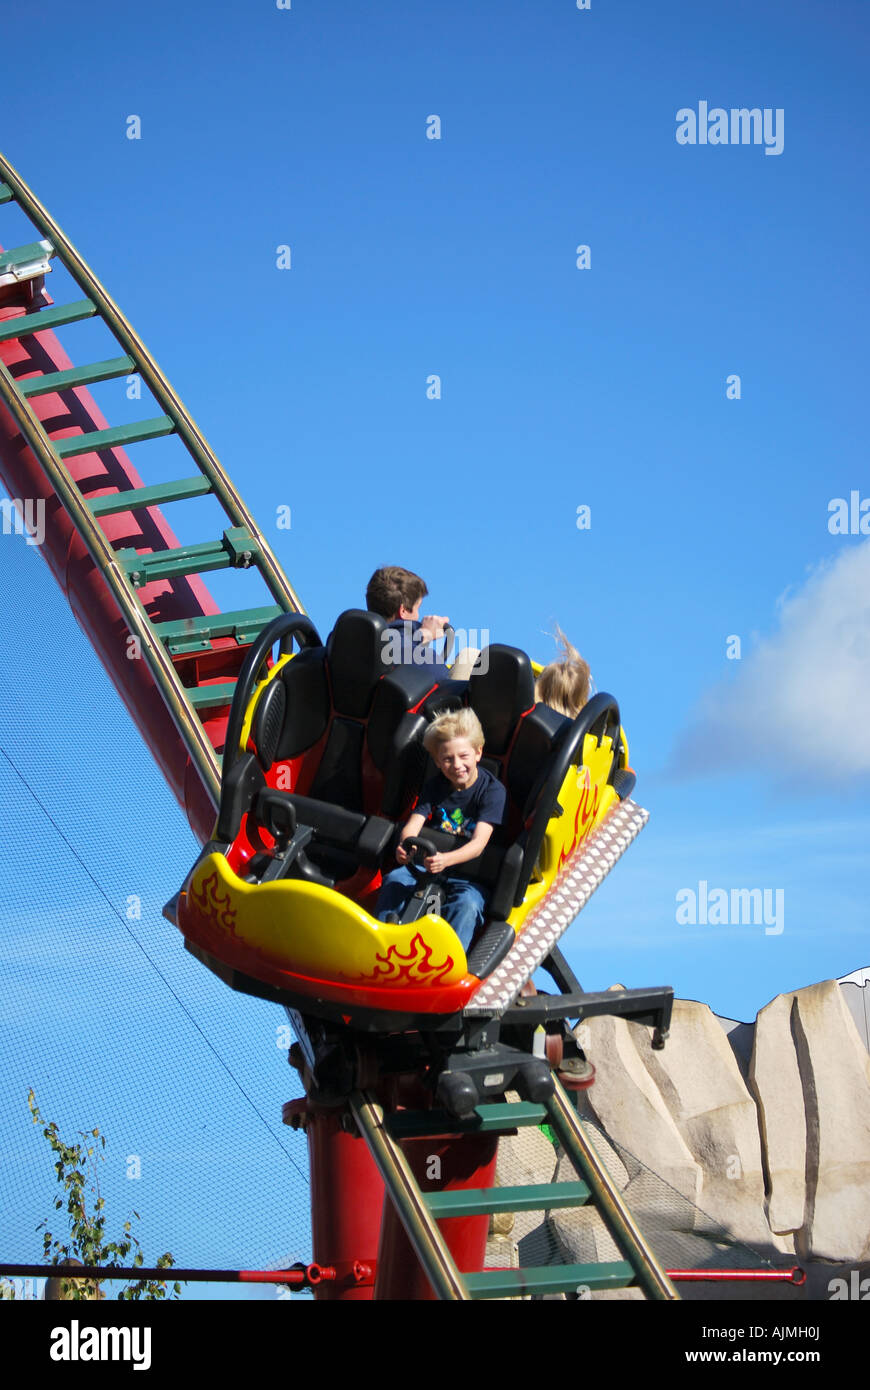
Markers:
point(822, 1096)
point(737, 1141)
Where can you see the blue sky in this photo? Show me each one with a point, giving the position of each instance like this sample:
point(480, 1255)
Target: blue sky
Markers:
point(560, 387)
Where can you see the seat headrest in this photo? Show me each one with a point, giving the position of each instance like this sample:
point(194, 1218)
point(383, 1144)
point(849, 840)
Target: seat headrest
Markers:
point(501, 693)
point(394, 697)
point(356, 656)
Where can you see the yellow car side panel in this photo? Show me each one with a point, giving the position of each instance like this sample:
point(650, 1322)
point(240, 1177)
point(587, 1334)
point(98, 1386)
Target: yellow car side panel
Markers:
point(322, 933)
point(585, 799)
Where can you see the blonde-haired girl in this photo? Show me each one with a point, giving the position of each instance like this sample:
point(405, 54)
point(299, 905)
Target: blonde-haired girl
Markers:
point(564, 685)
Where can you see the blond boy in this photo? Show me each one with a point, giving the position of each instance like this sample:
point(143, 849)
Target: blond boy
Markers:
point(465, 801)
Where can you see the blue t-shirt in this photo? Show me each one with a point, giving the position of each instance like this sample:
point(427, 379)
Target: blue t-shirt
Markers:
point(404, 647)
point(458, 812)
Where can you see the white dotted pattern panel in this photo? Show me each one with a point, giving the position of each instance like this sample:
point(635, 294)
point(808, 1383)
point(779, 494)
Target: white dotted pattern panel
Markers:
point(584, 871)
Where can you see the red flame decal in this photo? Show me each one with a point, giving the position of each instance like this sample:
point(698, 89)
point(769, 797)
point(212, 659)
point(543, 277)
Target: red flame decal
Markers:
point(414, 967)
point(587, 809)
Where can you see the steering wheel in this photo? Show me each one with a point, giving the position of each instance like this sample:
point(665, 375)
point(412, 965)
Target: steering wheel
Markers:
point(418, 847)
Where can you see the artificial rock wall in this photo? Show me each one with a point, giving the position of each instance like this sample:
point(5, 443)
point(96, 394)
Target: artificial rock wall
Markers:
point(760, 1133)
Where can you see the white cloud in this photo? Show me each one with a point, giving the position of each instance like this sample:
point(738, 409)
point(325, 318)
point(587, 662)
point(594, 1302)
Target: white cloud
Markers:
point(799, 702)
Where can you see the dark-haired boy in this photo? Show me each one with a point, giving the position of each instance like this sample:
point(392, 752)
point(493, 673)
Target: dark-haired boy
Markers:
point(396, 594)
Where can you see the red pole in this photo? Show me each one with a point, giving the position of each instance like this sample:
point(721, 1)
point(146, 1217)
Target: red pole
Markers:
point(347, 1195)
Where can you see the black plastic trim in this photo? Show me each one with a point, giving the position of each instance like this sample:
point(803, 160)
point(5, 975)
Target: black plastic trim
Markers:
point(602, 708)
point(285, 628)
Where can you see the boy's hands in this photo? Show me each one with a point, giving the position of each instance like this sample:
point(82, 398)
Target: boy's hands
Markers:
point(433, 626)
point(433, 863)
point(409, 829)
point(437, 863)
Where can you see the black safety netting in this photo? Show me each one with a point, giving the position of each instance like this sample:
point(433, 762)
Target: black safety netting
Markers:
point(102, 1012)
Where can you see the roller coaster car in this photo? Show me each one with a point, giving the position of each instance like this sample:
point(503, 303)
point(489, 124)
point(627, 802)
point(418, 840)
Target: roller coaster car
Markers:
point(322, 765)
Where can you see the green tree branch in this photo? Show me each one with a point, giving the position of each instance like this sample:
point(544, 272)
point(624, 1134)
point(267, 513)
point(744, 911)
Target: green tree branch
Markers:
point(77, 1168)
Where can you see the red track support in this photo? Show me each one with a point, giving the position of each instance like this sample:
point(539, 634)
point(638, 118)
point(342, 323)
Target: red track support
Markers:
point(463, 1162)
point(347, 1195)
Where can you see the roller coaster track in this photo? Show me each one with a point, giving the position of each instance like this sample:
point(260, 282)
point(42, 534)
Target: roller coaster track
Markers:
point(419, 1211)
point(128, 573)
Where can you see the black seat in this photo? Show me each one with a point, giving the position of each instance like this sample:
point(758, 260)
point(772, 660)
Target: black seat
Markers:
point(544, 776)
point(501, 691)
point(343, 725)
point(365, 837)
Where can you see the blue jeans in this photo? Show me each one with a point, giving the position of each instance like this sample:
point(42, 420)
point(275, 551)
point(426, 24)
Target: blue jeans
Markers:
point(464, 908)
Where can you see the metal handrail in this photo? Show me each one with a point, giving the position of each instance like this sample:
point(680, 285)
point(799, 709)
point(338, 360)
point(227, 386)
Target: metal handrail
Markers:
point(619, 1221)
point(421, 1228)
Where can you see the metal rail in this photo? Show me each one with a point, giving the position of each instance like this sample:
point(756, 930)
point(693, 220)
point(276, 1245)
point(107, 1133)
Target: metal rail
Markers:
point(423, 1232)
point(418, 1212)
point(651, 1276)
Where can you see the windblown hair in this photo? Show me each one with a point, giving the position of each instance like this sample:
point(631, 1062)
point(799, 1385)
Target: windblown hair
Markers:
point(564, 685)
point(456, 723)
point(391, 588)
